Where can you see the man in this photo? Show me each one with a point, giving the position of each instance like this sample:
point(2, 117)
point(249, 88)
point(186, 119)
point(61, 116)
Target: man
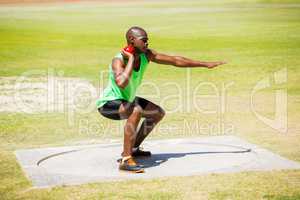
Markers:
point(119, 101)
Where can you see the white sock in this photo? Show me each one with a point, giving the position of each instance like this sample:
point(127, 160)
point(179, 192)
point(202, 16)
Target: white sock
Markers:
point(125, 158)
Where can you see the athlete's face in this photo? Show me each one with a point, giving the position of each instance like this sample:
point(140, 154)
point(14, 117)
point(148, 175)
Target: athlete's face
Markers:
point(141, 43)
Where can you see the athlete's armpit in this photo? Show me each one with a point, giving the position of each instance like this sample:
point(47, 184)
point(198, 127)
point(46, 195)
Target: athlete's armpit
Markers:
point(160, 58)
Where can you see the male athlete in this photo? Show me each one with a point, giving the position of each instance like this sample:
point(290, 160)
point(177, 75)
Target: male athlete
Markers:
point(119, 102)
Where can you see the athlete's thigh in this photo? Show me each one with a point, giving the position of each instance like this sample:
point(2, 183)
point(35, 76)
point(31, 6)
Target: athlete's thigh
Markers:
point(125, 109)
point(149, 109)
point(111, 109)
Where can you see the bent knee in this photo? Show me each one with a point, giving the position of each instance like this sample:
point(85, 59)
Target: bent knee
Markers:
point(163, 113)
point(137, 110)
point(160, 114)
point(125, 110)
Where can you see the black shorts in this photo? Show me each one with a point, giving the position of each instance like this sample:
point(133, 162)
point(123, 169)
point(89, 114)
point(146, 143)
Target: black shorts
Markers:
point(111, 108)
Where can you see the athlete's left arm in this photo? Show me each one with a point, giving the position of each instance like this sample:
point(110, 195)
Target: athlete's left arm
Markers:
point(179, 61)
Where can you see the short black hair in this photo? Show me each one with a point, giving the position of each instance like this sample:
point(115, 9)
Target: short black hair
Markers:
point(134, 31)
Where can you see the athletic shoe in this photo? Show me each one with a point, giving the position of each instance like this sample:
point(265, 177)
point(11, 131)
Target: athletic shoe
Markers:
point(129, 164)
point(139, 153)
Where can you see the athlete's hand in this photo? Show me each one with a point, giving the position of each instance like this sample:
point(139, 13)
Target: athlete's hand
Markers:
point(127, 54)
point(214, 64)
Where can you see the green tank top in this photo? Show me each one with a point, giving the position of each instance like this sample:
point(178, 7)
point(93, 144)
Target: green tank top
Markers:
point(113, 91)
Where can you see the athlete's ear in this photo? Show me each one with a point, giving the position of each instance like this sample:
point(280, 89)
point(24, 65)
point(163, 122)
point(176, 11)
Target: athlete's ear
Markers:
point(131, 39)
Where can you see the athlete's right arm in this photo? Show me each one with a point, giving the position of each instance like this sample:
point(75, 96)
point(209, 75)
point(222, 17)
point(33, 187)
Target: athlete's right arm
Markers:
point(121, 72)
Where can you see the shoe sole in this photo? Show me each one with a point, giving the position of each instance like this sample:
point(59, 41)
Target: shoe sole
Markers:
point(132, 172)
point(120, 159)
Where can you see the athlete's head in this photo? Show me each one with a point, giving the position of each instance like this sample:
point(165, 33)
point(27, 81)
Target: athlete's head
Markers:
point(137, 37)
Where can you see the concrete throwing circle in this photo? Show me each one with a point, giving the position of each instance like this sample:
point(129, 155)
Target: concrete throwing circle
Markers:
point(168, 159)
point(172, 157)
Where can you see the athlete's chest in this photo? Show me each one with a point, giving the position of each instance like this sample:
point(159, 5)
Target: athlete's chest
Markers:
point(137, 64)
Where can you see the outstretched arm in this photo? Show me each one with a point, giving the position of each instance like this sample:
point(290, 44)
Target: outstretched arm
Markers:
point(179, 61)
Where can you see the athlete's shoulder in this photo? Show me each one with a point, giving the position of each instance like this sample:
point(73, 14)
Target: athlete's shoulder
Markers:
point(150, 53)
point(118, 61)
point(119, 56)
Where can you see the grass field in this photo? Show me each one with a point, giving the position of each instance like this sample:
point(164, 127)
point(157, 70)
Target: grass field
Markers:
point(257, 38)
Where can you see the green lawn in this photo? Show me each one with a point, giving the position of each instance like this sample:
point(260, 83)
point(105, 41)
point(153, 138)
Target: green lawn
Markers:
point(257, 38)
